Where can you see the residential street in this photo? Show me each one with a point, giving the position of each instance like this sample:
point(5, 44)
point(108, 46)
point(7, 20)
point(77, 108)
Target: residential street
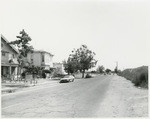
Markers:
point(75, 59)
point(94, 97)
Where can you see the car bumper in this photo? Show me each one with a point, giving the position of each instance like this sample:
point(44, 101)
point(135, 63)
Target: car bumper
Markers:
point(64, 81)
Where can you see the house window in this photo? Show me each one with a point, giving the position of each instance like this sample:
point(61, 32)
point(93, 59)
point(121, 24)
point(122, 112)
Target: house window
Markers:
point(42, 57)
point(2, 45)
point(10, 56)
point(13, 55)
point(3, 54)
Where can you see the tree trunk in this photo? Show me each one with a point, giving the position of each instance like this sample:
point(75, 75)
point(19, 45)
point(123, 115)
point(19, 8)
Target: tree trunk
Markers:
point(83, 73)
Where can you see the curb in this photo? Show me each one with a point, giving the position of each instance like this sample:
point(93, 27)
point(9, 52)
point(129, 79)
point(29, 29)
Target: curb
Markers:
point(8, 90)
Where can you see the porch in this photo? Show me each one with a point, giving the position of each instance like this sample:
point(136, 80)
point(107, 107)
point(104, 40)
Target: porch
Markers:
point(9, 72)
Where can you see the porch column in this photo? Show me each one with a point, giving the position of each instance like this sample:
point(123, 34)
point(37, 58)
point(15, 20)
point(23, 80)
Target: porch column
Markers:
point(10, 69)
point(16, 69)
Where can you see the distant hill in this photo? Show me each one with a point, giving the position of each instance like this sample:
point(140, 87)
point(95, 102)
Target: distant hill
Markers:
point(138, 76)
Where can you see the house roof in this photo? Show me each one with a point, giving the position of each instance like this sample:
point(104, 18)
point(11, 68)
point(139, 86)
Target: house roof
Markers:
point(57, 63)
point(12, 47)
point(43, 51)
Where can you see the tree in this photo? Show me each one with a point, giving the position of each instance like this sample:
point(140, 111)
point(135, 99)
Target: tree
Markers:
point(116, 70)
point(100, 69)
point(83, 58)
point(23, 46)
point(108, 70)
point(34, 71)
point(70, 66)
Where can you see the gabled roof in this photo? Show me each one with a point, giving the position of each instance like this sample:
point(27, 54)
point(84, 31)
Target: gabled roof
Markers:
point(11, 46)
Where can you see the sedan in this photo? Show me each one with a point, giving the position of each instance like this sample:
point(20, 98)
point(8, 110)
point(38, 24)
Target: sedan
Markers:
point(68, 78)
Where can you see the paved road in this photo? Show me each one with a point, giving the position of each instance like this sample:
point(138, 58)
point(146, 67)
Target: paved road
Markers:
point(75, 99)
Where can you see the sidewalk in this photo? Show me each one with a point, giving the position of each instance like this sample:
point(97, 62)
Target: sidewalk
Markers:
point(10, 87)
point(123, 99)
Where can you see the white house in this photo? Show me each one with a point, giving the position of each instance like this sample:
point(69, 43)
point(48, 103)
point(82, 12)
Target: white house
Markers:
point(41, 58)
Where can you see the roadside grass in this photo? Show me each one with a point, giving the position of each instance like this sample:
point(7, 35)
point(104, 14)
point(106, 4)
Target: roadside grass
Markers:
point(141, 80)
point(10, 88)
point(18, 86)
point(138, 76)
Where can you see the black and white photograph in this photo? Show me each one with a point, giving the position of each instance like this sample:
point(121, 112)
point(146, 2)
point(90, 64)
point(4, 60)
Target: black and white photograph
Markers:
point(75, 58)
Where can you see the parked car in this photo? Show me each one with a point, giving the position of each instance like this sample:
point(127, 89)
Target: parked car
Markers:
point(67, 78)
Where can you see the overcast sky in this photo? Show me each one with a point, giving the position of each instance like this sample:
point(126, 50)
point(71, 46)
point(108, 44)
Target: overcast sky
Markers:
point(115, 30)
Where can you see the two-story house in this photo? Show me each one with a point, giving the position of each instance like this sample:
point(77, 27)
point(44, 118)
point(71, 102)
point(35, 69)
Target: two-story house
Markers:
point(41, 58)
point(9, 63)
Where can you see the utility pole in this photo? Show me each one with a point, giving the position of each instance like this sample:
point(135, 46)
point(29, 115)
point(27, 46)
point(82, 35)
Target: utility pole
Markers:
point(117, 65)
point(116, 69)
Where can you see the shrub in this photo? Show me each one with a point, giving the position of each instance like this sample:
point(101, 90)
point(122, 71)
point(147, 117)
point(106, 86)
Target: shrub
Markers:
point(138, 76)
point(43, 75)
point(88, 76)
point(141, 80)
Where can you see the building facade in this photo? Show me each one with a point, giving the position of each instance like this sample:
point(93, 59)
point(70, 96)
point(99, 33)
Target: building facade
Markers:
point(41, 58)
point(9, 63)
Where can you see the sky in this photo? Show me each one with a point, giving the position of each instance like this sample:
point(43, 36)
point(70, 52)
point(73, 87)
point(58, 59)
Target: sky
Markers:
point(116, 30)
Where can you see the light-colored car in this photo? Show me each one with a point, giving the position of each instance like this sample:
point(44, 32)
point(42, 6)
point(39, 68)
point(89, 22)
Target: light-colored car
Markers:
point(67, 78)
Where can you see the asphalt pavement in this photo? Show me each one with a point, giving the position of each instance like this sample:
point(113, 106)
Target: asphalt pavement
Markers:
point(80, 98)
